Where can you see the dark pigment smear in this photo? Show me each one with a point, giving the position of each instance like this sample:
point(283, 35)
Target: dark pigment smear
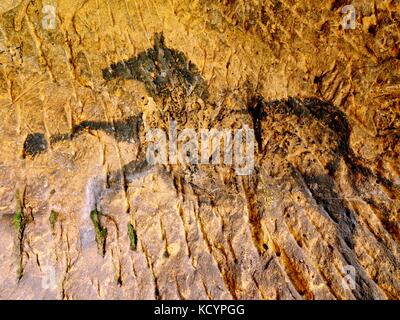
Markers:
point(325, 113)
point(122, 130)
point(322, 187)
point(35, 143)
point(162, 70)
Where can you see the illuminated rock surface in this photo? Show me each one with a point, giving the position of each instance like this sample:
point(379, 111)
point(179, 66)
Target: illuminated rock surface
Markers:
point(92, 219)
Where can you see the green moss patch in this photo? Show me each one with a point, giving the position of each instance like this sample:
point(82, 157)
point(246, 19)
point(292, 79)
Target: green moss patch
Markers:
point(53, 219)
point(101, 232)
point(132, 237)
point(19, 225)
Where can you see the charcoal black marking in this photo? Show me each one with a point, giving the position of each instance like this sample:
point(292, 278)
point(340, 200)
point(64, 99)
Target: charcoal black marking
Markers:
point(162, 70)
point(317, 109)
point(122, 130)
point(325, 113)
point(35, 143)
point(322, 188)
point(256, 112)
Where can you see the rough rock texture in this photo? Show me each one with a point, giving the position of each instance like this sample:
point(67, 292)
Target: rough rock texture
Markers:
point(84, 216)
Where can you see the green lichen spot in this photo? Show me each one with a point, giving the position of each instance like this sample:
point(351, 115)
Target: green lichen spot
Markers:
point(132, 237)
point(19, 225)
point(18, 220)
point(101, 232)
point(53, 218)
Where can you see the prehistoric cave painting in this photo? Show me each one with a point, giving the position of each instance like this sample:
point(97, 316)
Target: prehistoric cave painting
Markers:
point(162, 70)
point(122, 130)
point(326, 120)
point(166, 74)
point(329, 116)
point(313, 136)
point(328, 129)
point(171, 79)
point(174, 83)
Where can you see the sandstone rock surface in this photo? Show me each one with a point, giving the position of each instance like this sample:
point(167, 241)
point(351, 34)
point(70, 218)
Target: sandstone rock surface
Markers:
point(83, 215)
